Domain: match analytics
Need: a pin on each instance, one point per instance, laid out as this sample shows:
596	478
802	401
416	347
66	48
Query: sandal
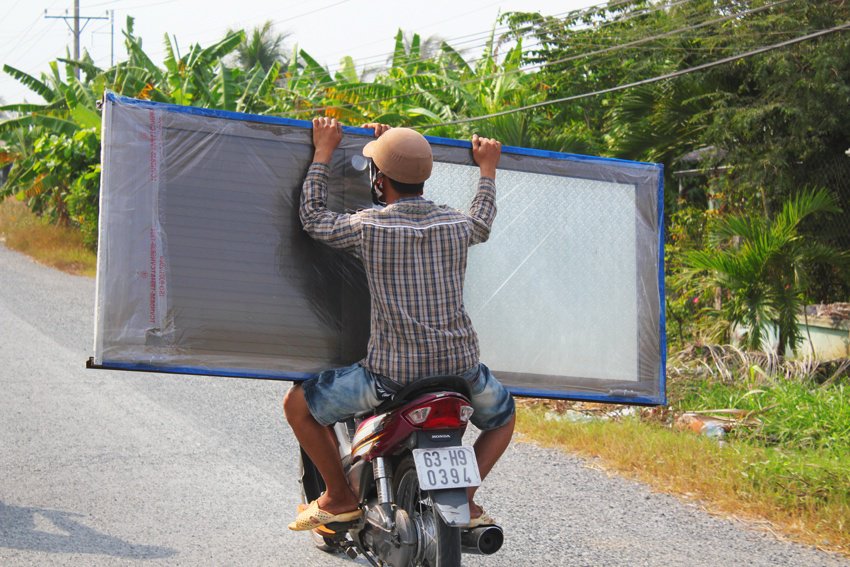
311	517
484	519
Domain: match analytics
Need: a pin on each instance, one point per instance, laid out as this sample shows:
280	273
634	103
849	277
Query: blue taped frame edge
584	397
301	376
662	318
280	121
198	371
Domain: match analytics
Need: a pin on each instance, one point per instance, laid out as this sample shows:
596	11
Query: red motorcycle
407	463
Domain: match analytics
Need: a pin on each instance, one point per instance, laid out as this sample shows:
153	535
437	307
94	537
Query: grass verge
55	246
802	493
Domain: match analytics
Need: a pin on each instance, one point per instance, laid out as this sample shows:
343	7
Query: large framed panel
203	267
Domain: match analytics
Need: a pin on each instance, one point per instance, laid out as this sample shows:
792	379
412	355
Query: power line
485	34
31	40
458	40
661	35
76	29
576	13
274	21
107	3
25	33
571	14
21	35
647	81
384	56
148	5
11	9
453	42
558	61
321	9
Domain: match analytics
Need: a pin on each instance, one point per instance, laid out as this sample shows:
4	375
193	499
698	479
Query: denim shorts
339	394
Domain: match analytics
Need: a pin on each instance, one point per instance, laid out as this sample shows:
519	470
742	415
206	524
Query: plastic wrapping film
203	267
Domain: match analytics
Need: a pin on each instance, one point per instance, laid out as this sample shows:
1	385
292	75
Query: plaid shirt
414	253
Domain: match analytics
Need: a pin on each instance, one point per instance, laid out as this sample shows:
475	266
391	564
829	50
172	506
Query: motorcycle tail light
419	415
445	413
465	413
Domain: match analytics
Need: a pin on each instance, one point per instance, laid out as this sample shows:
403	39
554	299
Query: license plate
446	467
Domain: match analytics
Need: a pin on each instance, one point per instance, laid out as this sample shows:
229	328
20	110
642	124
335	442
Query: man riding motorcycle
414	253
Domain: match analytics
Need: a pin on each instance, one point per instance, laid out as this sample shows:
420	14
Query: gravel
112	468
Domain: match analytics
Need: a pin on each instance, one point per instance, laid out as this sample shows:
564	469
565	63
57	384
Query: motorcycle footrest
335	528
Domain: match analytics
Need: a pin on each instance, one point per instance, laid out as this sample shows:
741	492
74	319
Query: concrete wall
830	339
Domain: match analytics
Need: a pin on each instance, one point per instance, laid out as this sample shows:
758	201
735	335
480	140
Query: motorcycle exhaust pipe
483	540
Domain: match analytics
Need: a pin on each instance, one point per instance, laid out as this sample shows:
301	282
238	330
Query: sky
327	29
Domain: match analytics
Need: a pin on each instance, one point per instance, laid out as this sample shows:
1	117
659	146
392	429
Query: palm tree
763	263
660	122
428	49
264	47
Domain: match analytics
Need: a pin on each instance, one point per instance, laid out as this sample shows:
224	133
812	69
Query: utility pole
111	38
77	35
75	29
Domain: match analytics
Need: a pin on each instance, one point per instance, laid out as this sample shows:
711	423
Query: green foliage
789	108
801	479
43	179
763	264
686	299
82	201
801	421
791	414
53	145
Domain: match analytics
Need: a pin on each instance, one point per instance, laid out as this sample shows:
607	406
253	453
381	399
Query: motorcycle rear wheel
441	542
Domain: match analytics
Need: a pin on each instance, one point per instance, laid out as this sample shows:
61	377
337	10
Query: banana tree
199	78
406	93
48	143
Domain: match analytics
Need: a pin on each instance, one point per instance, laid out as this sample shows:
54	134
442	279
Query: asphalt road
112	468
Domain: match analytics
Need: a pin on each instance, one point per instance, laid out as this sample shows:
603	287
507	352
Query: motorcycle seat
422	386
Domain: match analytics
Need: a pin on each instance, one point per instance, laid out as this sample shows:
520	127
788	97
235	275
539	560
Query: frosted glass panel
555	285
